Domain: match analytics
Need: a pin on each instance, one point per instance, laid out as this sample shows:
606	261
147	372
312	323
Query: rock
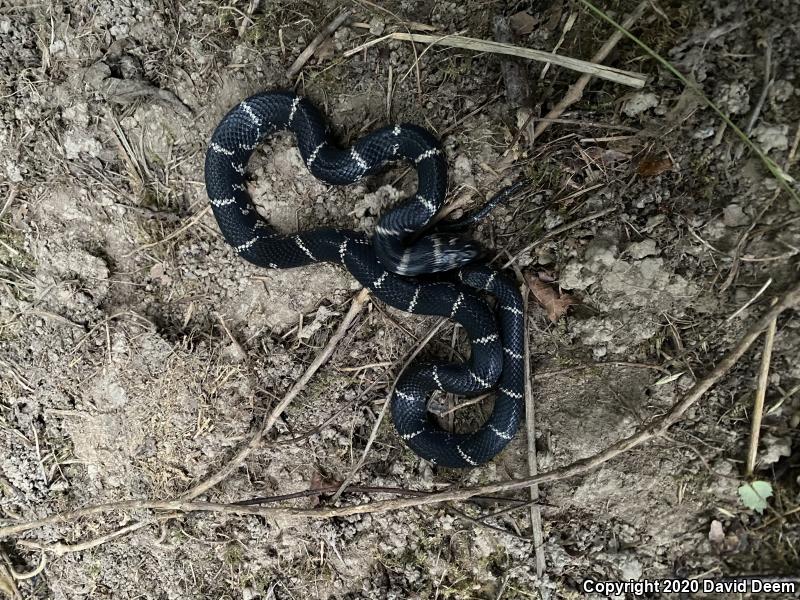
647	247
772	448
733	216
522	23
734	98
716	534
639	103
601	251
781	91
703	133
376	26
772	137
631	568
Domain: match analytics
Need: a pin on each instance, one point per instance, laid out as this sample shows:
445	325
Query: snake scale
389	264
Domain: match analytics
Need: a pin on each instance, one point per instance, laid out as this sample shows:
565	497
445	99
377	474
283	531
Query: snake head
451	252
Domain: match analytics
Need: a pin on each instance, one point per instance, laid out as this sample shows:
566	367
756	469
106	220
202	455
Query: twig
255	440
517	85
482	523
530	423
358	489
610	363
12	193
326	32
30	574
236	345
575	91
761	390
629	78
654	428
742	241
374	433
570	23
749	302
60	549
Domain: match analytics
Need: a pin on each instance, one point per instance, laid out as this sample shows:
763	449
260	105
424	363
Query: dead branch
60	549
530	423
761	391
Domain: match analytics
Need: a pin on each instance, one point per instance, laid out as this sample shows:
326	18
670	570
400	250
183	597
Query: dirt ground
138	352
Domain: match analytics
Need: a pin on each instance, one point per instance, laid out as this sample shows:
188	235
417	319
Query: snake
407	263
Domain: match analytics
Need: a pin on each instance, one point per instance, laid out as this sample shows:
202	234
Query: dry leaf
650	167
555	304
521	23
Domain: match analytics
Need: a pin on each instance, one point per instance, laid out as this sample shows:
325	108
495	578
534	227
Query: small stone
703	133
716	534
639	102
376	26
733	216
647	247
57	47
772	137
773	449
522	23
734	98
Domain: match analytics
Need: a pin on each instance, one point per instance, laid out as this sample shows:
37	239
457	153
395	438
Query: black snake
401	247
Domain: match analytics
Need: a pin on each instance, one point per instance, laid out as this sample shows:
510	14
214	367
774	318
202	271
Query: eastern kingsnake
385	264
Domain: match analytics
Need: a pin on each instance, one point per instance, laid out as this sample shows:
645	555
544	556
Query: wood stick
575	91
654	428
761	391
629	78
12	193
326	32
60	549
530	424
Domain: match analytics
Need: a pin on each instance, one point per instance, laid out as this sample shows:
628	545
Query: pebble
639	103
733	216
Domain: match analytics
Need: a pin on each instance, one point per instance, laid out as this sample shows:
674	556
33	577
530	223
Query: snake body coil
384	265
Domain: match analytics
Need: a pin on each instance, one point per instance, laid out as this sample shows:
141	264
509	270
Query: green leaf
754	495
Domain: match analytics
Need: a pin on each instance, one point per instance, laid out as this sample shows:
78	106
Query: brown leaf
521	23
649	167
555	304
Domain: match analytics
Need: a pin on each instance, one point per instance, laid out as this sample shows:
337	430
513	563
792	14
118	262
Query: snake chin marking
385	263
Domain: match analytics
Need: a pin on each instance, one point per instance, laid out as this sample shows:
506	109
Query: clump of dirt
138	352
